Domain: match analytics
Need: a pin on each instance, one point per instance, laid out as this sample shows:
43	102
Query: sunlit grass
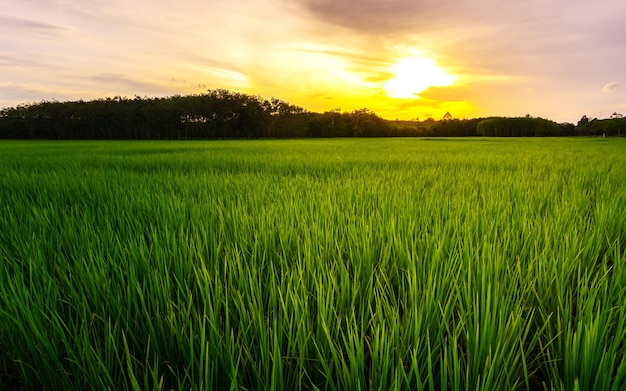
329	264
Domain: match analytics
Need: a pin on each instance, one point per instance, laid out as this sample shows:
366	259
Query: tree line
217	114
614	126
222	114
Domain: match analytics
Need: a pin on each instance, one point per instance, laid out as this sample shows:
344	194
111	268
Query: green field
405	264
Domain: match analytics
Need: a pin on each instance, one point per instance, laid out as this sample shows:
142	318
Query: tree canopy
222	114
518	127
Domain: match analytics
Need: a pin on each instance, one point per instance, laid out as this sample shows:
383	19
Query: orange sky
400	58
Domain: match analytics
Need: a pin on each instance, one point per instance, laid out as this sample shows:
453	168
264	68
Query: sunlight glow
414	75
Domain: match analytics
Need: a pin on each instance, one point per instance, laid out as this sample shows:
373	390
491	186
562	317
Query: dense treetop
222	114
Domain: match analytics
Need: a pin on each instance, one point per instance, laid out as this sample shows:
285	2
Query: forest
223	114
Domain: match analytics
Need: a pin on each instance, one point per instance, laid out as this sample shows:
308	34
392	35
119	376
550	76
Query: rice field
360	264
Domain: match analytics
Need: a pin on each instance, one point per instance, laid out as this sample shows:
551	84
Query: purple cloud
375	16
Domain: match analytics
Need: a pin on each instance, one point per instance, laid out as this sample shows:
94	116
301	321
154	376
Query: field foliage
457	264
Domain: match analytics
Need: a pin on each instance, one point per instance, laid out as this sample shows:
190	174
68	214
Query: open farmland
494	264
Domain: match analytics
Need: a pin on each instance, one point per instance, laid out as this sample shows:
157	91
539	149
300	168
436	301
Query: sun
413	75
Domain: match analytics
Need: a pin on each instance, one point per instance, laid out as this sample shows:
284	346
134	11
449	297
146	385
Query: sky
403	59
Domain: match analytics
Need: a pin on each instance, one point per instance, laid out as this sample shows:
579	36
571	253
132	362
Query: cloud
19	61
375	16
120	82
389	16
26	25
610	87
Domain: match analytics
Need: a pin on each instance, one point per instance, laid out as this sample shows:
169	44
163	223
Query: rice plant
361	264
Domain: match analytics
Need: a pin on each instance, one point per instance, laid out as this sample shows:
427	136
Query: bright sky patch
414	75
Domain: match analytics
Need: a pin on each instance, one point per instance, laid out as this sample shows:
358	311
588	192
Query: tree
518	127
